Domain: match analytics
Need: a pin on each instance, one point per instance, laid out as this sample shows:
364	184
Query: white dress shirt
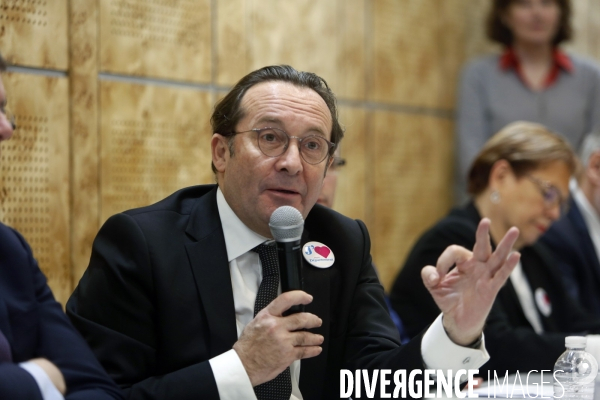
590	216
521	285
47	388
438	351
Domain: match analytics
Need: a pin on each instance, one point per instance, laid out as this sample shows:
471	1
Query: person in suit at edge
167	301
520	178
575	238
41	355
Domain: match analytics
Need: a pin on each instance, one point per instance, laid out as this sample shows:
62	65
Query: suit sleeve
17	383
60	343
114	308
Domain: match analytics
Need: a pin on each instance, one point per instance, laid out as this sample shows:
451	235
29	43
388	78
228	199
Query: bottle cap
575	341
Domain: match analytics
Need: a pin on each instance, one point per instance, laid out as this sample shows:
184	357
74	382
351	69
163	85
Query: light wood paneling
412	183
34	33
352	64
297	33
476	41
580	24
406	53
233	41
35	173
154	141
165	39
84	133
351	191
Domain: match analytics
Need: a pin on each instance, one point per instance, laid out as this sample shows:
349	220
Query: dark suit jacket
510	339
35	326
156	302
574	251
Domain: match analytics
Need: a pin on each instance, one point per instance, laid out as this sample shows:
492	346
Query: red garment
561	60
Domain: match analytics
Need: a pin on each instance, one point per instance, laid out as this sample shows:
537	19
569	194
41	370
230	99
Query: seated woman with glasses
520	178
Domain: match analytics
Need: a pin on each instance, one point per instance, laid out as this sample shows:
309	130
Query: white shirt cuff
440	352
47	388
232	380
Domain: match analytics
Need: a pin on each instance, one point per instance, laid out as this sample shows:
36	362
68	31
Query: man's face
254	184
6	129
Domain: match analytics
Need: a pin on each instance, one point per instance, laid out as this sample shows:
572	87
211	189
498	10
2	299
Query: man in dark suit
41	354
172	301
575	238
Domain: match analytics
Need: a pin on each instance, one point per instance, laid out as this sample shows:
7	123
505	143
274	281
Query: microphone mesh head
286	224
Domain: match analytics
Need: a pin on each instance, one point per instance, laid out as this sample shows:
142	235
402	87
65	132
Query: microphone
286	224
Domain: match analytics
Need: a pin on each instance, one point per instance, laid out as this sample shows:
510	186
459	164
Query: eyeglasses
273	142
551	194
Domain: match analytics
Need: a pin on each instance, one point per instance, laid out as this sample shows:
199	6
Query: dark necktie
5	353
280	388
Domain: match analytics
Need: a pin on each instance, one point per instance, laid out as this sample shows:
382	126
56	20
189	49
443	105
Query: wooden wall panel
35	173
476	41
351	193
165	39
406	53
298	33
594	28
233	41
412	183
580	23
34	33
154	141
84	132
352	63
586	28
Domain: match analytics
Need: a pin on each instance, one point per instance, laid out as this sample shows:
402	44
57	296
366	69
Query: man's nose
291	160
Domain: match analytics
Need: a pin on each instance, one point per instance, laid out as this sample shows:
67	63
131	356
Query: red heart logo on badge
323	251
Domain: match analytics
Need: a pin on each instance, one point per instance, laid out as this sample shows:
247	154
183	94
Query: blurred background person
532	80
327	195
575	238
326	198
520	178
41	354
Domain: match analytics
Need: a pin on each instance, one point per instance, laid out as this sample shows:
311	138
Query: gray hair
590	145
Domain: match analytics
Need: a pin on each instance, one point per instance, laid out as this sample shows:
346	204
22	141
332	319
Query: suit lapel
316	282
208	259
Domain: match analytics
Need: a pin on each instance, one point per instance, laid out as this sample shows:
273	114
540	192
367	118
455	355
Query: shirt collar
509	60
239	239
561	61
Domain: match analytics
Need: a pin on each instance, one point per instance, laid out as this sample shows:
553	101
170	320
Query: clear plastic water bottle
575	371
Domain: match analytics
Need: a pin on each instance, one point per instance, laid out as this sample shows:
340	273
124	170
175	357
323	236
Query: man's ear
219	146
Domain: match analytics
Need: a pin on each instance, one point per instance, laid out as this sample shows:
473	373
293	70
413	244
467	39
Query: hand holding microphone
278	334
287	225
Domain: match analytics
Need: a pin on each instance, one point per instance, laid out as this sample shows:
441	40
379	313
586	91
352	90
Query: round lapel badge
318	255
543	302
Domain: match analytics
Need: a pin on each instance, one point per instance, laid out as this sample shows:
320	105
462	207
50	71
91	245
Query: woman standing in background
532	80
